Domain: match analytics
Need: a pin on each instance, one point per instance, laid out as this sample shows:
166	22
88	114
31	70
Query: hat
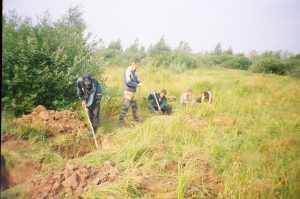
87	80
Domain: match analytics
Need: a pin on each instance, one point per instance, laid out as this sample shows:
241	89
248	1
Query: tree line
41	61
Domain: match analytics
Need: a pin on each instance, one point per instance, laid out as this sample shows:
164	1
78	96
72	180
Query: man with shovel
90	92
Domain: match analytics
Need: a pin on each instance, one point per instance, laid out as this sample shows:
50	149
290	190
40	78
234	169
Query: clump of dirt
4	174
81	144
14	174
53	122
224	121
10	142
72	180
159	186
203	180
200	125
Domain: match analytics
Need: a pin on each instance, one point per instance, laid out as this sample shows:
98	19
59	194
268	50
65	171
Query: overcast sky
244	25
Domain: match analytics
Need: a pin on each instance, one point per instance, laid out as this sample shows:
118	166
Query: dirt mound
53	122
203	180
10	142
195	123
224	121
72	180
159	186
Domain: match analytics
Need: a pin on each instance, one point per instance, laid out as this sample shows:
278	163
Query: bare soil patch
200	125
203	181
72	180
53	122
224	121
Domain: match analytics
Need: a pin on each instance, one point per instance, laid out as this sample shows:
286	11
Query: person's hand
84	105
140	84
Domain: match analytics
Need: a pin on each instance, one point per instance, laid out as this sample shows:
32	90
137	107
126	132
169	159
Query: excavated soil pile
72	181
53	122
200	125
204	181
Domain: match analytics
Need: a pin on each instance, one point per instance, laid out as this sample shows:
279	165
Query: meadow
246	144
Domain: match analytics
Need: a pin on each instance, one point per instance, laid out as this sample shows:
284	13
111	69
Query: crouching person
159	102
186	98
205	97
90	92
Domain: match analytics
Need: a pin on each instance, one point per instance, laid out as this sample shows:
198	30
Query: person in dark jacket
90	92
159	102
131	83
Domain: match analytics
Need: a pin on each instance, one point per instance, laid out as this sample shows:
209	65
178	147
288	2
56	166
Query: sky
245	25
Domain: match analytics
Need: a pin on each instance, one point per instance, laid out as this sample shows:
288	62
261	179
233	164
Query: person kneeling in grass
186	98
159	102
205	97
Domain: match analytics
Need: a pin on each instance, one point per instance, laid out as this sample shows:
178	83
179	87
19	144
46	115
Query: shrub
269	65
41	62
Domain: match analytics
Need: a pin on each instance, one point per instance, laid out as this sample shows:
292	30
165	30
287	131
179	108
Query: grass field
246	144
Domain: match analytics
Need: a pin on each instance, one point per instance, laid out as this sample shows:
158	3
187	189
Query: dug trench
71	180
58	127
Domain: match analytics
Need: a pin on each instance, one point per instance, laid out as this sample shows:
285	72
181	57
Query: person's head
87	80
189	92
135	64
162	93
206	94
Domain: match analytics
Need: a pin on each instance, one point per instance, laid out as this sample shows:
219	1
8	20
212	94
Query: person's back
186	98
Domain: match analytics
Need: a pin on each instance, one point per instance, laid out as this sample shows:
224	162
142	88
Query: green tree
40	63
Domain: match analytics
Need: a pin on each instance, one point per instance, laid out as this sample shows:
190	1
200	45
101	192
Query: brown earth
14	175
203	181
159	186
72	180
10	142
53	122
200	125
224	121
79	145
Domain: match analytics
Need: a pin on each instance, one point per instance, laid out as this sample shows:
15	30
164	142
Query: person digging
131	83
90	92
159	102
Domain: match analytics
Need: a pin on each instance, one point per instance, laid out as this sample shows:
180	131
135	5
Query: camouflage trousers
128	102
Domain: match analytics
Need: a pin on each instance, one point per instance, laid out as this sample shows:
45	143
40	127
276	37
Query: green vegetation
42	61
245	145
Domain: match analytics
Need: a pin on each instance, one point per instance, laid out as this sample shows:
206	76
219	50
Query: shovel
94	135
156	101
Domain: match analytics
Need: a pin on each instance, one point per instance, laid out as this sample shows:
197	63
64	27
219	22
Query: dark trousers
94	115
126	104
152	108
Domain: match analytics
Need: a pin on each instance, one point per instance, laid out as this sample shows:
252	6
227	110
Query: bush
41	62
269	65
238	62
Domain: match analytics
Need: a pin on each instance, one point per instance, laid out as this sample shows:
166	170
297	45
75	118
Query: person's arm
202	98
80	93
210	98
129	81
163	103
92	95
100	91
